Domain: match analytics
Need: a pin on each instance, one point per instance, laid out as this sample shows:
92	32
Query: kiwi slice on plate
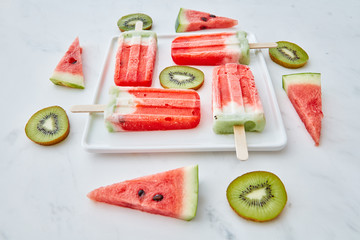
127	22
48	126
181	77
288	54
259	196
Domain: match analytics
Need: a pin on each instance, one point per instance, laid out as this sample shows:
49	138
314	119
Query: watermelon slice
69	71
304	92
172	193
191	20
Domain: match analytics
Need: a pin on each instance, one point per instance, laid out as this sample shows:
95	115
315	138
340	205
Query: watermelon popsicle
214	49
148	109
135	57
144	109
236	101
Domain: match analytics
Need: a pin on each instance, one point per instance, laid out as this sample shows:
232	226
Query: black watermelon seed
204	19
72	60
141	193
213	16
158	197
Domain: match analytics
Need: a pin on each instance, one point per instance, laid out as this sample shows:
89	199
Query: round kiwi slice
181	77
259	196
48	126
127	22
289	55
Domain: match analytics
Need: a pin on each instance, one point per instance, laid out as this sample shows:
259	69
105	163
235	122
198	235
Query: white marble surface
43	189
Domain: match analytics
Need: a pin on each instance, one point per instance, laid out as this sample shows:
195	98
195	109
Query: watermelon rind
300	78
68	80
191	190
181	21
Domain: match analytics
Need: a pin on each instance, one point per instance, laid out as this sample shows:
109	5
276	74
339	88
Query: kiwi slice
48	126
289	55
259	196
181	77
127	22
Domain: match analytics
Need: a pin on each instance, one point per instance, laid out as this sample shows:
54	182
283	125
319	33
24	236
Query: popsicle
214	49
236	101
148	109
135	57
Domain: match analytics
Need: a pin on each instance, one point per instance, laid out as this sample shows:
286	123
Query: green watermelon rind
191	190
68	79
181	23
300	78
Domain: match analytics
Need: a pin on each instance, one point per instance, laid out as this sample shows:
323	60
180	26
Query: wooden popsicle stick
240	142
262	45
138	25
96	108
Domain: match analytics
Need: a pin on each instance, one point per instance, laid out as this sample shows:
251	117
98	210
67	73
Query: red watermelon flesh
172	193
69	71
191	20
304	92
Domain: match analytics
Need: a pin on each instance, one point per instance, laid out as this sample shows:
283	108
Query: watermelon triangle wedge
173	193
304	92
69	71
191	20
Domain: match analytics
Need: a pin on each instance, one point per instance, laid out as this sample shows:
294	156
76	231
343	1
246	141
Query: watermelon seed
203	27
141	193
158	197
213	16
204	19
72	60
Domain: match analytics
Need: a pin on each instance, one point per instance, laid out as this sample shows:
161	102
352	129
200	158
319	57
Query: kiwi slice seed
127	22
259	196
48	126
289	55
181	77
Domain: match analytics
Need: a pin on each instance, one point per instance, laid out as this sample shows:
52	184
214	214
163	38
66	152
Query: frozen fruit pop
135	57
235	99
145	109
214	49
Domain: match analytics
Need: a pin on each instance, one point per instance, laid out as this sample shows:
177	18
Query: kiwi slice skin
181	77
48	126
258	196
289	55
127	23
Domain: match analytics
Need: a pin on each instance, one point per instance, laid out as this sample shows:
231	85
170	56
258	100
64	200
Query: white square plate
96	138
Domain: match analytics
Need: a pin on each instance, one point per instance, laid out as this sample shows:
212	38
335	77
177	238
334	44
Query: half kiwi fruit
48	126
127	22
259	196
181	77
289	55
